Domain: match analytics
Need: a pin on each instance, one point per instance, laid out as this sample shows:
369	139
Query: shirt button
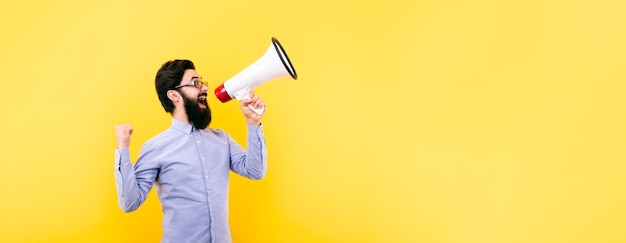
206	176
198	141
202	158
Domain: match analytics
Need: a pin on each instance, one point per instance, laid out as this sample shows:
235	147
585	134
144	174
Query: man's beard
199	117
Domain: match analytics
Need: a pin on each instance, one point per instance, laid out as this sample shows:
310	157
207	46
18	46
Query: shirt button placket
206	173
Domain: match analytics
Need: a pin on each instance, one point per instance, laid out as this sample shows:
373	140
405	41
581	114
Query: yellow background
411	121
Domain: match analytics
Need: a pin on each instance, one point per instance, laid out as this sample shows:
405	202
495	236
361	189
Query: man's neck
181	116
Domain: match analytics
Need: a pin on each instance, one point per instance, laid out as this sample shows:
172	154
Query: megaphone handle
245	94
258	111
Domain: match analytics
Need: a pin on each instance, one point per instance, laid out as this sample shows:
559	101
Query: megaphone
273	64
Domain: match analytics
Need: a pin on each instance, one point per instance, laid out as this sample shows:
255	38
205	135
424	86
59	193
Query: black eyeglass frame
196	83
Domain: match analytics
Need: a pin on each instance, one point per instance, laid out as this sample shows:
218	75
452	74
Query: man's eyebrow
194	77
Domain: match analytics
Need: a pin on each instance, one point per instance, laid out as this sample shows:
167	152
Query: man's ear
173	95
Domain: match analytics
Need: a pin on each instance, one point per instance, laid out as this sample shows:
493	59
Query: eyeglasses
196	83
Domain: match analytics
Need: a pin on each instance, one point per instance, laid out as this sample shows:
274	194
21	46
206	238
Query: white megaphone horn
273	64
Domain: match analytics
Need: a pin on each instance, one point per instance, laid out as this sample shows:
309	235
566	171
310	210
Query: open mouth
202	100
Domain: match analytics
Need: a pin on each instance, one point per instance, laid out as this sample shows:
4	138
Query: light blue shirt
190	169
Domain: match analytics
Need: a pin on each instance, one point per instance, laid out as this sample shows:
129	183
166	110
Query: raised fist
122	133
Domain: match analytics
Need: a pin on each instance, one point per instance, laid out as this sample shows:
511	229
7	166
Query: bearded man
189	163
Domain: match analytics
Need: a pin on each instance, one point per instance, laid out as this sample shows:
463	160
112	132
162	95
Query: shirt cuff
122	156
258	130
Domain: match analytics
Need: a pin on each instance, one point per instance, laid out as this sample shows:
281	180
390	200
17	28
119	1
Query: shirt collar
182	126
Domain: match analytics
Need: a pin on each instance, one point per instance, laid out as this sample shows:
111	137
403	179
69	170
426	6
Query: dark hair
169	75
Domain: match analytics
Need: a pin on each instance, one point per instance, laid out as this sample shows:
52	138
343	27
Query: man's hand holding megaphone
249	105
